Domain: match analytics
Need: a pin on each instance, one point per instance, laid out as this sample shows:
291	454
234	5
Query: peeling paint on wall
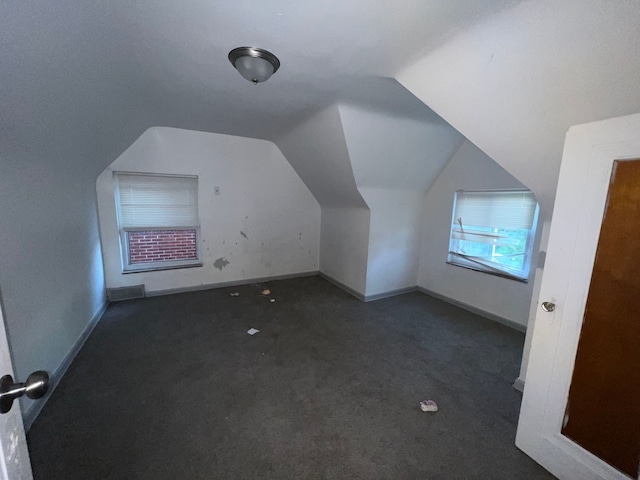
220	263
279	205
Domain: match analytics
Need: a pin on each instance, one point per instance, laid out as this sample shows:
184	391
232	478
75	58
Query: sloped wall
66	113
514	83
264	222
469	169
395	158
318	152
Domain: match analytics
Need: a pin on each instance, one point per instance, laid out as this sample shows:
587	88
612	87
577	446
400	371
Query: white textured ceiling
328	50
82	79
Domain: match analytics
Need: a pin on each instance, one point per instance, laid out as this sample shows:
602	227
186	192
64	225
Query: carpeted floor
174	388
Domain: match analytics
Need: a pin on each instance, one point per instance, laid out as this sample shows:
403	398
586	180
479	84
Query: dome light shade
254	64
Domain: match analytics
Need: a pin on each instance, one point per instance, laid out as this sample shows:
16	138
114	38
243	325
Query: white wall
67	111
392	151
395	159
394	238
344	246
317	150
260	196
468	169
50	267
514	83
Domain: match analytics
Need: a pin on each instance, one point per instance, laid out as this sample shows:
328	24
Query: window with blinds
158	221
493	231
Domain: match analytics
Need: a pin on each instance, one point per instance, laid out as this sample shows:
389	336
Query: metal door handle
35	387
548	306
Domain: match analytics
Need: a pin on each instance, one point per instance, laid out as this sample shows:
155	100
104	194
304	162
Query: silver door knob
35	387
548	306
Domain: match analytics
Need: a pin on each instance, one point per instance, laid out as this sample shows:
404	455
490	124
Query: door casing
14	456
583	185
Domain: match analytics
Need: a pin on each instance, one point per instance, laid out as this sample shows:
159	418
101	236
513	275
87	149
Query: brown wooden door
603	409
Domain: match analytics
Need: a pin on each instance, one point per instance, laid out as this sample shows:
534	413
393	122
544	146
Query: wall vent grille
125	293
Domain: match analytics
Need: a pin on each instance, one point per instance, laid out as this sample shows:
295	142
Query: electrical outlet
216	190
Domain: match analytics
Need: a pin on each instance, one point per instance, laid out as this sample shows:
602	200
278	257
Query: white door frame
14	456
583	186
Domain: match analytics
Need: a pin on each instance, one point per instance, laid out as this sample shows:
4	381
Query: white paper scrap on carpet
252	331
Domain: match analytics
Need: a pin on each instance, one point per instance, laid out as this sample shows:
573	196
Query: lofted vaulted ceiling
116	65
326	48
81	80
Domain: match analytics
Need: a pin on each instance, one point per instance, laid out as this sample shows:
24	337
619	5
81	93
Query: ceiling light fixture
254	64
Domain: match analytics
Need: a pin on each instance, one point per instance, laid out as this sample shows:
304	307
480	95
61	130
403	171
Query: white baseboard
476	310
361	296
346	288
32	412
390	293
233	283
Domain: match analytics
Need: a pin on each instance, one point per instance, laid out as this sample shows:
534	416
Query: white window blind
157	201
493	231
504	210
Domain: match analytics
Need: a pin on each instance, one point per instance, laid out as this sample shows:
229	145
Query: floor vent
125	293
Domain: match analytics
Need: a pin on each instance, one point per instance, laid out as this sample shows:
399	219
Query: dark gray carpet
173	388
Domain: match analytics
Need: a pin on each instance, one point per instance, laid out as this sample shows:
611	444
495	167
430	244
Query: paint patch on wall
220	263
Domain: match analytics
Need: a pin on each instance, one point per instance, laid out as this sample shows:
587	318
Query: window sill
156	268
489	272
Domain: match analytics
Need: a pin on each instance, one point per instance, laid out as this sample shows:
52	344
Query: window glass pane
158	221
162	246
512	252
502	247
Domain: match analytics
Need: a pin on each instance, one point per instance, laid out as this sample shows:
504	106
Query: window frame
127	266
458	261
